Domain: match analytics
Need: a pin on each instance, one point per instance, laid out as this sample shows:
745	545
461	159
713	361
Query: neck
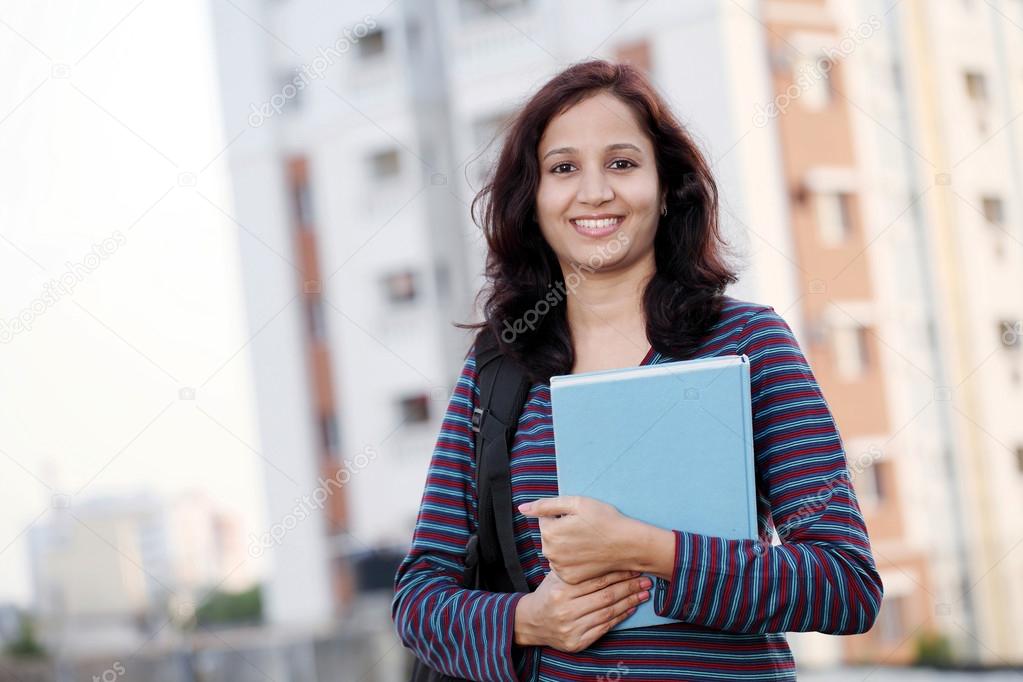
608	302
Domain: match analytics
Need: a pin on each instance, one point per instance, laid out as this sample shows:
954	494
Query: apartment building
963	90
908	295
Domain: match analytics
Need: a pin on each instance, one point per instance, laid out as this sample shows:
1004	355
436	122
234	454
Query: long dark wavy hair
683	299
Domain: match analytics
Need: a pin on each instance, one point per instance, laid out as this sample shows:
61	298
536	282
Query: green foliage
231	608
25	646
933	649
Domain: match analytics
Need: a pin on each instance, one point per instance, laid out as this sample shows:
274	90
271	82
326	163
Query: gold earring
664	210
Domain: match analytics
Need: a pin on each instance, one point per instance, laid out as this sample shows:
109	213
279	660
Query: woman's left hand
583	538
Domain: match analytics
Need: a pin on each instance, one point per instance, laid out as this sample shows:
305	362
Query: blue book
670	444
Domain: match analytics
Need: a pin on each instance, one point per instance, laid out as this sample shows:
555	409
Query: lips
590	224
598	226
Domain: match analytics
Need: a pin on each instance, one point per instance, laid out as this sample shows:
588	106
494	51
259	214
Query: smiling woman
599	194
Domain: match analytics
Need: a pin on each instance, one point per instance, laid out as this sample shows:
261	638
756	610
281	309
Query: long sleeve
457	631
822	577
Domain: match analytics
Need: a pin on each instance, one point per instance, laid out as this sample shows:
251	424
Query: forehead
593	122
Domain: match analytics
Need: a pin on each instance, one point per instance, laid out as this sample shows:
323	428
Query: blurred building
358	141
106	569
960	69
903	176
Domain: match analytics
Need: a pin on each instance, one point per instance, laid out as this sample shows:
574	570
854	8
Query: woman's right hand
571	617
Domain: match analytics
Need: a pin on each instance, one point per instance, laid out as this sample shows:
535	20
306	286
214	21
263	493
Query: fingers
600	629
602	581
632	591
550	506
598	605
609	613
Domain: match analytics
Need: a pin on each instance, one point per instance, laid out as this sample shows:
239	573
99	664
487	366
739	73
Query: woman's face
598	186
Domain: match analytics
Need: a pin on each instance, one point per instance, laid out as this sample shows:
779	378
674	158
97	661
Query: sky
123	363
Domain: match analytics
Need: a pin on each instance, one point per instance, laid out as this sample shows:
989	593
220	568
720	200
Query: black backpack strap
504	386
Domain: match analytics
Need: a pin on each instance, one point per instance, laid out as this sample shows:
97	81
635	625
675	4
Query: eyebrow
609	148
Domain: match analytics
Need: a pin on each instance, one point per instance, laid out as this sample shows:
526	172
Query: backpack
491	560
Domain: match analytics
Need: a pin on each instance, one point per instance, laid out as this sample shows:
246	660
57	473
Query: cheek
642	192
550	207
549	234
550	199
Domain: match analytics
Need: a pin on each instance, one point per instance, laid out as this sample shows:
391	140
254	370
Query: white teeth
596	224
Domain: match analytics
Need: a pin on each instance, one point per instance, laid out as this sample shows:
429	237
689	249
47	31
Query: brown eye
561	165
630	164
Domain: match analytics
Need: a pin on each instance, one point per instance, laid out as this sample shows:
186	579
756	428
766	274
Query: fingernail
636	574
645	582
643	596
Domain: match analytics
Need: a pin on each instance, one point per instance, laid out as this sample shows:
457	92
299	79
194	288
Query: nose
594	188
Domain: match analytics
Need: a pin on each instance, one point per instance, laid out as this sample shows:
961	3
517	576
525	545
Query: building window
301	200
976	87
812	78
385	164
442	278
869	483
976	90
415	409
400	287
994	211
891	625
1019	457
288	87
834	219
994	215
371	45
849	343
314	313
329	433
469	10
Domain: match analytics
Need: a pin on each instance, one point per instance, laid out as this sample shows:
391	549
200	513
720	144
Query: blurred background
234	235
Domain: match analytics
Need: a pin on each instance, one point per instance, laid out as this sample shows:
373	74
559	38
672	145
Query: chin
596	258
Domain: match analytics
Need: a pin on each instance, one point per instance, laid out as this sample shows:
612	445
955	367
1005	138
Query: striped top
735	598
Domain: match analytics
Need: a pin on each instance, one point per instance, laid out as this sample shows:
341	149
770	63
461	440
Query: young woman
604	252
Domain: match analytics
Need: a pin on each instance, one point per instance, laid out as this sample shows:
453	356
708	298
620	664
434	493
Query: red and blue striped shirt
735	598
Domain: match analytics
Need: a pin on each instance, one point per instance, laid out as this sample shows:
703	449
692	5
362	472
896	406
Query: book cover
670	444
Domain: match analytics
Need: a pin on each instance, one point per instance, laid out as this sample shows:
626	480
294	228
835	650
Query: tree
227	607
25	646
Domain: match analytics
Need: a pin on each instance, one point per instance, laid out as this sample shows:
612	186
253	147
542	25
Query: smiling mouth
597	224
